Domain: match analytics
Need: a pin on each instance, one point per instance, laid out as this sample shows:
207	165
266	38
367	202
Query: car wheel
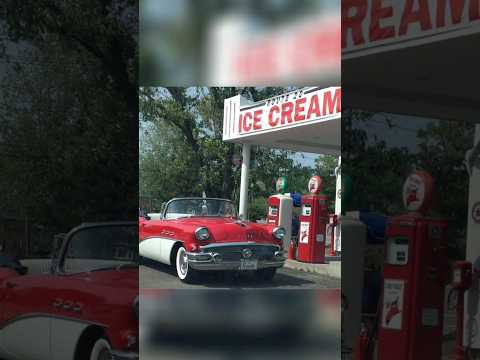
184	272
266	274
101	350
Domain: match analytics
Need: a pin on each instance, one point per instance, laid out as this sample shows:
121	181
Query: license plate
248	264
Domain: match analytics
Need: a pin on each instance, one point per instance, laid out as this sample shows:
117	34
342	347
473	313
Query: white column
472	299
338	200
338	204
244	181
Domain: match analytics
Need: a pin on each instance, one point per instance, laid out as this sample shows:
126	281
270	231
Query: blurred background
229	324
250	42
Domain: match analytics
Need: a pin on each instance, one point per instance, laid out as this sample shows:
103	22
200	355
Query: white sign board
304	232
292	109
392	312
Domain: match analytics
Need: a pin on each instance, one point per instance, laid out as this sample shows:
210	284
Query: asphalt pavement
156	275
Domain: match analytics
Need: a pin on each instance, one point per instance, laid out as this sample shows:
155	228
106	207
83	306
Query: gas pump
461	282
313	222
280	210
415	267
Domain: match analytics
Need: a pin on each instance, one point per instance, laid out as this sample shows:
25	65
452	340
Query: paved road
156	275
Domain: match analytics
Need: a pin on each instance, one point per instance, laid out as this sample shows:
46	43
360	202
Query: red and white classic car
81	304
203	234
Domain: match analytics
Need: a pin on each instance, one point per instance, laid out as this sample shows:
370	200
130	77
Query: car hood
121	279
229	230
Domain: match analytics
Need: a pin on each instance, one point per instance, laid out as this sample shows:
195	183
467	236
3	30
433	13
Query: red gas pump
313	222
415	268
273	215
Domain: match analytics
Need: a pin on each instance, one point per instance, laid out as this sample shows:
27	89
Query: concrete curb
331	268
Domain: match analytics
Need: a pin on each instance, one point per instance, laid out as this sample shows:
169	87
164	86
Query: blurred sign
302	52
375	26
295	108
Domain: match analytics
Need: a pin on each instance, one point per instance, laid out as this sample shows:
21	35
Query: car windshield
99	247
179	208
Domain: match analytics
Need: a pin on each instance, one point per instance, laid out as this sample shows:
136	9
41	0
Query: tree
103	30
377	170
67	129
443	145
325	167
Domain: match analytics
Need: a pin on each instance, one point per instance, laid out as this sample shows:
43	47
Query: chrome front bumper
230	256
124	355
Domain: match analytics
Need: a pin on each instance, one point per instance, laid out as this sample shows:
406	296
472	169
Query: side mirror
147	217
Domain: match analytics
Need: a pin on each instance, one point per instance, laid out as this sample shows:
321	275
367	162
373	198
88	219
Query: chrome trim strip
47	315
233	244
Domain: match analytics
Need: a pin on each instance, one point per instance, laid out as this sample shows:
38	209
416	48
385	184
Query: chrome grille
233	252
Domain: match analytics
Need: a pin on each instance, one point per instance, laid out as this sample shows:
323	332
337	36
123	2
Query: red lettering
354	23
314	107
271	121
409	16
456	7
378	13
247	117
329	103
257	120
299	108
474	11
287	109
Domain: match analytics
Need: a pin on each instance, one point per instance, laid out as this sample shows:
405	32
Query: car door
74	308
27	316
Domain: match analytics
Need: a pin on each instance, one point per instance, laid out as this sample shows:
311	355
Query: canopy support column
244	181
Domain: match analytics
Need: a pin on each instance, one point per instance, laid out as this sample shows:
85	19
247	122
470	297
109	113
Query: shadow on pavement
231	279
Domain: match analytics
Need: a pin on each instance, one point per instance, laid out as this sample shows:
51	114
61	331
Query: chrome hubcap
182	261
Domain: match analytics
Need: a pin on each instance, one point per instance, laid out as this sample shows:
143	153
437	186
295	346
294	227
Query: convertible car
80	304
204	234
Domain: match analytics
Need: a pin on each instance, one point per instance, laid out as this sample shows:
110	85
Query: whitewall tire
184	271
101	350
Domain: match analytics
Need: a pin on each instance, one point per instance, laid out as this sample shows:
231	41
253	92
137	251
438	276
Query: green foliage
377	171
325	167
68	142
257	208
442	152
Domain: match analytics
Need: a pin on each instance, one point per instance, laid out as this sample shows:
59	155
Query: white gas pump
354	234
471	332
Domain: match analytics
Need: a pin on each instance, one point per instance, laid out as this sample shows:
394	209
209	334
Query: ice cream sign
287	110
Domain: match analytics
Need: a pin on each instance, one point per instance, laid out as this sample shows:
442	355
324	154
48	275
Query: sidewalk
332	267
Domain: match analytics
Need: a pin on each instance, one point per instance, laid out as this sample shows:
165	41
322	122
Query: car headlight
202	234
279	233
